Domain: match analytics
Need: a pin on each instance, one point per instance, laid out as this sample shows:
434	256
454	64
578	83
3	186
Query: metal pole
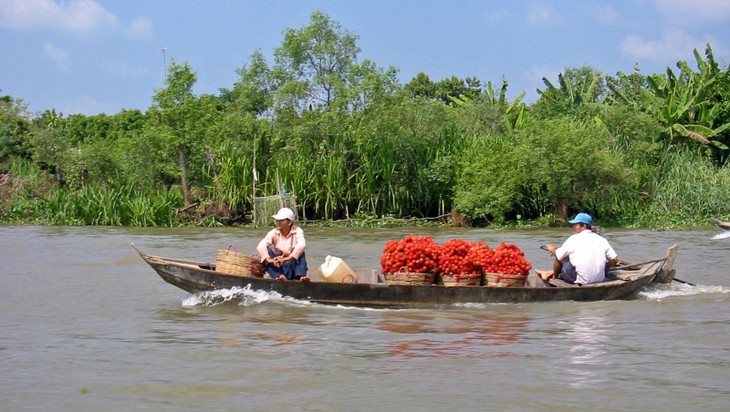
164	61
254	177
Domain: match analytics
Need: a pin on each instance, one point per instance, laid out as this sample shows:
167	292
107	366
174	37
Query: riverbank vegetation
353	144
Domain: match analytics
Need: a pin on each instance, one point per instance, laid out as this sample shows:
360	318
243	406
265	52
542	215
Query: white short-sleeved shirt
588	253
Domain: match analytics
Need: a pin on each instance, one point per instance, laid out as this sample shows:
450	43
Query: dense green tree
254	90
421	86
549	166
313	63
14	129
369	83
183	122
452	88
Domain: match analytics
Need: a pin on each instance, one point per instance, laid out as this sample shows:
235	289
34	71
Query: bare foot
281	277
304	279
544	274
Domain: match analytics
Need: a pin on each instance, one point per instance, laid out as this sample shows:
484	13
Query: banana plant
576	87
515	111
683	102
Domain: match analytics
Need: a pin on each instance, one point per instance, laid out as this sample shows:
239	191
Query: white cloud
675	44
60	57
79	16
139	27
605	14
75	16
694	10
543	14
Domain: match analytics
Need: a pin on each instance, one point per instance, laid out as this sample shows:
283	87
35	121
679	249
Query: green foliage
548	165
14	129
183	126
313	63
421	86
690	188
110	206
348	140
488	187
685	103
576	87
253	92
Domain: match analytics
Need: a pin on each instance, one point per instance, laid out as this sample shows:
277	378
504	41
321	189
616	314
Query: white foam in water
681	290
247	296
722	235
250	297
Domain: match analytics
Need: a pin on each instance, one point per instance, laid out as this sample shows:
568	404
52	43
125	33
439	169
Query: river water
86	325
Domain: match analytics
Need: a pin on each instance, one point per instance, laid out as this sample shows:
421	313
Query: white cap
284	213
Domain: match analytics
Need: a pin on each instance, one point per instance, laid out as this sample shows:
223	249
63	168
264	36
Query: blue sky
94	56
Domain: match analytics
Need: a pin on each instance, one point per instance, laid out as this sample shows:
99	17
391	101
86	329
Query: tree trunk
561	209
188	198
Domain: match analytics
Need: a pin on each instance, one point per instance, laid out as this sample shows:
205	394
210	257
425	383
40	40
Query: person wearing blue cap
584	257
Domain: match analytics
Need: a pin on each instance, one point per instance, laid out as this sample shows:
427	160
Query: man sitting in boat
584	257
282	249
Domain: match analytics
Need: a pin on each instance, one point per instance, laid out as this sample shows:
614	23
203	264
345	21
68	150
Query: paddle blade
722	235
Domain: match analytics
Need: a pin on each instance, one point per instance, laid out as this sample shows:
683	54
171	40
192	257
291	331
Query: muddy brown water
86	325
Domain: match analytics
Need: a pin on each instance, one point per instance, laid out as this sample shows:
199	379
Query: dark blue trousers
293	269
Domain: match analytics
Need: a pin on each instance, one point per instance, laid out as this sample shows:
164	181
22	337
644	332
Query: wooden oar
683	281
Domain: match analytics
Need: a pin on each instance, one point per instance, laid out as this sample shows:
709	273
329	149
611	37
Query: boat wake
243	295
722	235
681	290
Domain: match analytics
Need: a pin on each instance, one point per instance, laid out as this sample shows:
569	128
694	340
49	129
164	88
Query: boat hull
198	277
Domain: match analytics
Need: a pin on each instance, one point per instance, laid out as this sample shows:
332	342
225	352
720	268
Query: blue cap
584	218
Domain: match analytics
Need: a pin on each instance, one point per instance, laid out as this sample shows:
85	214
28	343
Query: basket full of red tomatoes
458	262
412	260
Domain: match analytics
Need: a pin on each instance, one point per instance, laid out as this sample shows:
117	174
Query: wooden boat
622	282
721	224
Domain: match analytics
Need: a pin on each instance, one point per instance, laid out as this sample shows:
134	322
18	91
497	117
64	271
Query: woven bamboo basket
472	279
505	280
405	277
234	263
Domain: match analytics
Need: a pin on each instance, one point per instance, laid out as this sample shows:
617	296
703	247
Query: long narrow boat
720	223
621	283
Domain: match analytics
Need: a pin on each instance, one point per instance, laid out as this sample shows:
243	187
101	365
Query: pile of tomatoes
421	254
461	257
506	258
413	253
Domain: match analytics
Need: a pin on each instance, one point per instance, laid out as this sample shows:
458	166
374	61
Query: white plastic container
335	269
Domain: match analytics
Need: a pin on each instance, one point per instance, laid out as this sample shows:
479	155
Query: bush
549	165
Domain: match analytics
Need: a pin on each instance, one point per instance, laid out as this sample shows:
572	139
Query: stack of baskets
505	280
233	263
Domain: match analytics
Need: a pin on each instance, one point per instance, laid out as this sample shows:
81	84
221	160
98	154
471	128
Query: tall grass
105	206
232	188
689	189
405	171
